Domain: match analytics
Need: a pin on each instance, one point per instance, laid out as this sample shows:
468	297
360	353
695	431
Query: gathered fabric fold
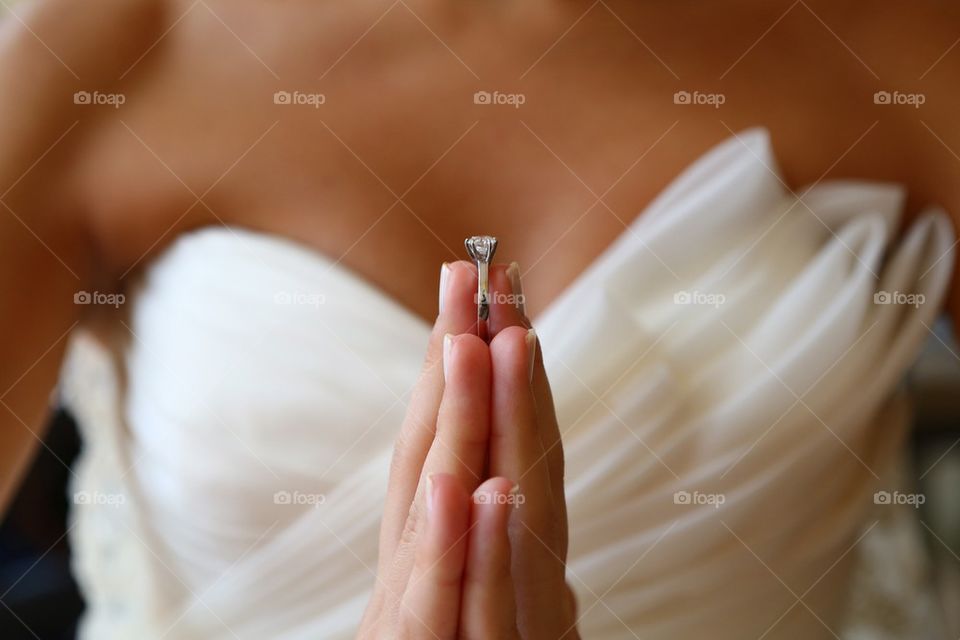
725	377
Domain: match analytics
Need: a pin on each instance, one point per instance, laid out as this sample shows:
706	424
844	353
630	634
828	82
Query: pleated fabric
726	380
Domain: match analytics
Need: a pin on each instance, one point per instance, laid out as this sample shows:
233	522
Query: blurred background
37	589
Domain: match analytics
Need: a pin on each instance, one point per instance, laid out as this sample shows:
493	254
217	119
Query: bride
221	231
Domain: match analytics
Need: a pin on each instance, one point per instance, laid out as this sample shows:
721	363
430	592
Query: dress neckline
749	145
336	266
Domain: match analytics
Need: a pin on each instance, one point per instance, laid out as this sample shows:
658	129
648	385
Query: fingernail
447	348
430	489
513	273
444	276
531	341
514	496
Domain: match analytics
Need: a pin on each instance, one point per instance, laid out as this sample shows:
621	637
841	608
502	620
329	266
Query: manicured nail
531	341
430	490
444	277
513	273
447	348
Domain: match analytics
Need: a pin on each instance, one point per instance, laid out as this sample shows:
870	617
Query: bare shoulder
52	49
69	39
53	53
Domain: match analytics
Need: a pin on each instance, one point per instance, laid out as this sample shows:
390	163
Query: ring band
481	250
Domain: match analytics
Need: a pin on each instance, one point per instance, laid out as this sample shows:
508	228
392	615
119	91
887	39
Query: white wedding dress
725	375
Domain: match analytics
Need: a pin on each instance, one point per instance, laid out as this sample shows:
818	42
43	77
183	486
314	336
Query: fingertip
496	485
446	490
458	310
493	501
447	506
511	352
508	308
466	361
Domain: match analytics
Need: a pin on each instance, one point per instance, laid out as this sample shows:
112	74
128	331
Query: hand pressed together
473	541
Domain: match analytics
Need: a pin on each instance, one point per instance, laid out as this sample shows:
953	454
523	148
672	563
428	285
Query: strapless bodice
725	377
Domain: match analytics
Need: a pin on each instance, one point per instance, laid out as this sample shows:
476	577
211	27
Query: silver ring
481	250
